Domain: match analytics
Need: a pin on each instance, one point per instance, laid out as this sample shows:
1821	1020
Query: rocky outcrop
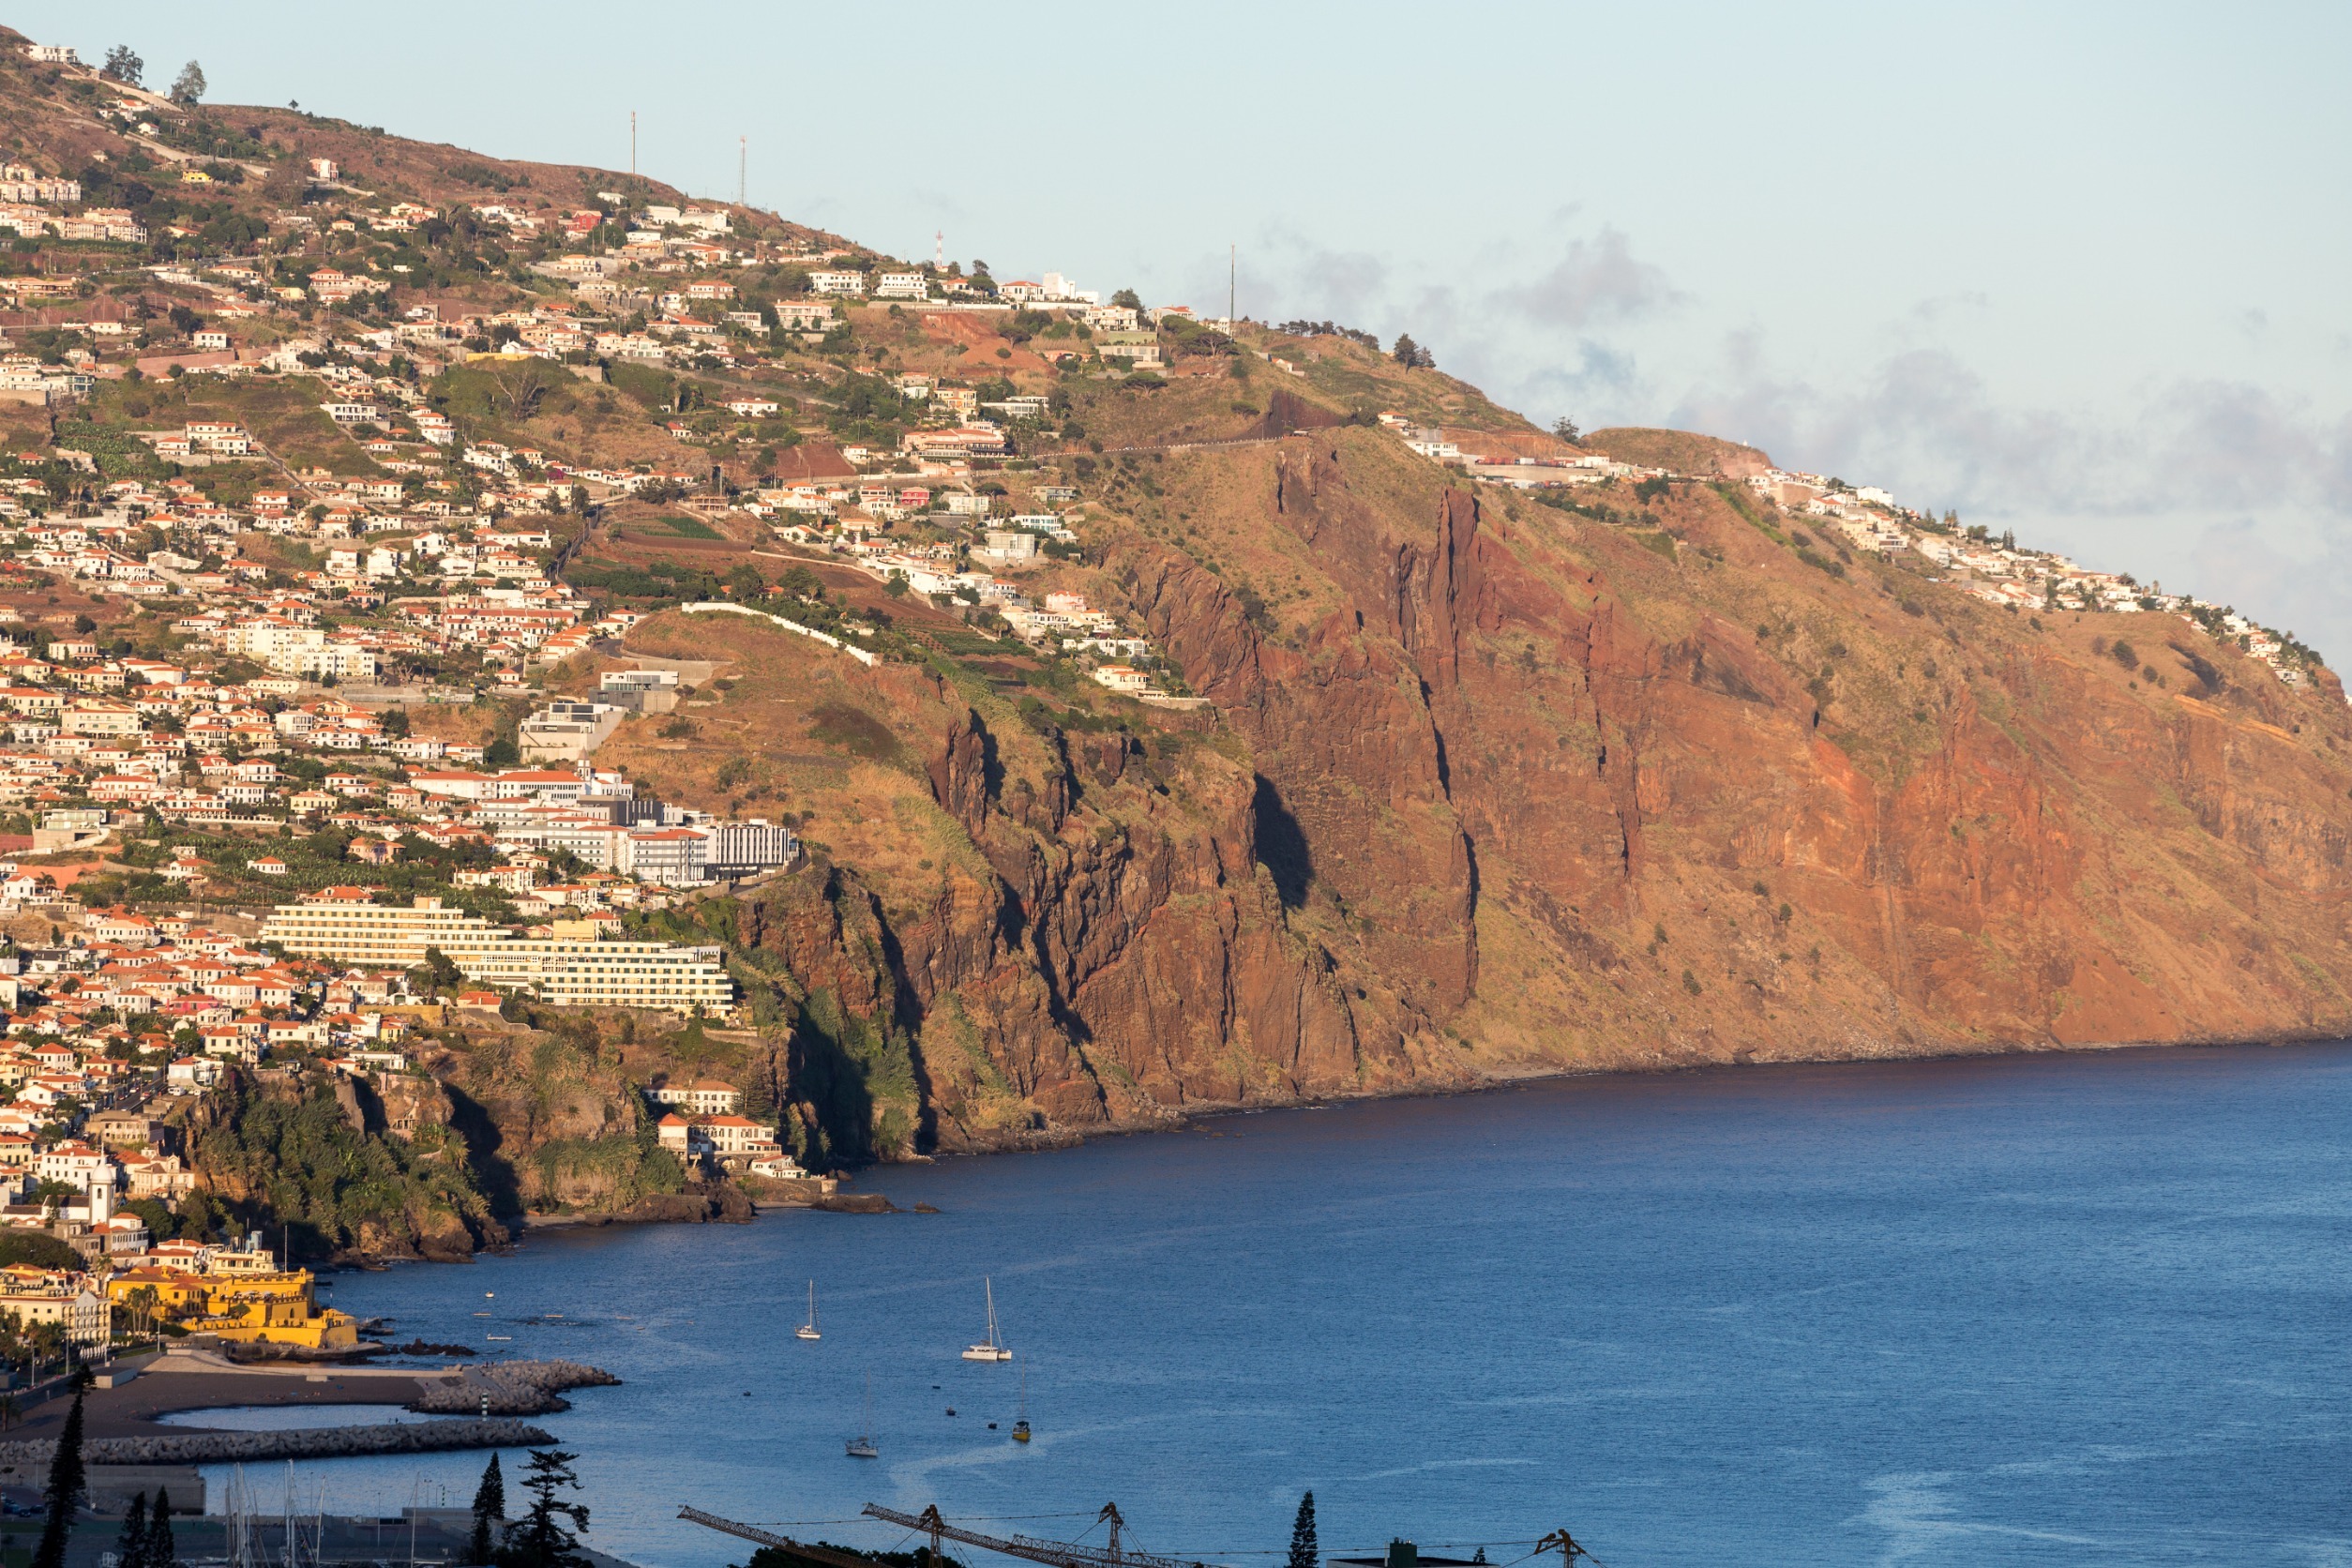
306	1156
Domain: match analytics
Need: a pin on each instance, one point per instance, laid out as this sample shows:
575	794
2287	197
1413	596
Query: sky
2070	270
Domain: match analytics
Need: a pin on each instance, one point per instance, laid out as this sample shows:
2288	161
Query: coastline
1500	1083
739	1203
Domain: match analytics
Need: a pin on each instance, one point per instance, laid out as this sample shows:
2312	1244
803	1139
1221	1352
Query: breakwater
510	1388
325	1442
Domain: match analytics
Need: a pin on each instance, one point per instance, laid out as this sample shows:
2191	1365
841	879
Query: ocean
2079	1310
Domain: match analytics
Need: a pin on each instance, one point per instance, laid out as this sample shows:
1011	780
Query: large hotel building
345	925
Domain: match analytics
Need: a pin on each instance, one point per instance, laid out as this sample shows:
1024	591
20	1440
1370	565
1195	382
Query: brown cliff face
1491	788
1620	767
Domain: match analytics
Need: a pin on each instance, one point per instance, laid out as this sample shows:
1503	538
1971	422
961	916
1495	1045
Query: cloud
1937	309
1597	281
1549	335
2226	489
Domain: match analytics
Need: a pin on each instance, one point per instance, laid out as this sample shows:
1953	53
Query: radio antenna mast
742	170
632	143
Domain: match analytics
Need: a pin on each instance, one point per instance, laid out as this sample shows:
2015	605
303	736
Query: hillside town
304	669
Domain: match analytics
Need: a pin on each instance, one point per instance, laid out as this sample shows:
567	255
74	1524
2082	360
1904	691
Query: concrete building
571	969
345	924
647	691
702	1097
87	1318
582	971
672	856
740	849
567	731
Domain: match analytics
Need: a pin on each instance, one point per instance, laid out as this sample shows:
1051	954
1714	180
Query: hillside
1651	769
1492	789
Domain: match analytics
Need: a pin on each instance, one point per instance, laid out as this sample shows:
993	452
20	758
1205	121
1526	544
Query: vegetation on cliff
302	1160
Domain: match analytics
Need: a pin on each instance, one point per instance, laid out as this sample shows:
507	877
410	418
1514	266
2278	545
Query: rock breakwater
325	1442
511	1388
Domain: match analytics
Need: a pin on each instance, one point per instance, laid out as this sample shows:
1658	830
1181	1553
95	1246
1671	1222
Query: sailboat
1020	1427
988	1349
862	1446
809	1329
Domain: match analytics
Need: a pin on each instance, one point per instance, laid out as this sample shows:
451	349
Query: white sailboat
991	1348
862	1446
809	1329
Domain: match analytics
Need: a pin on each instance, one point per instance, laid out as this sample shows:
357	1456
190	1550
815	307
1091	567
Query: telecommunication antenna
1232	283
632	143
743	167
939	249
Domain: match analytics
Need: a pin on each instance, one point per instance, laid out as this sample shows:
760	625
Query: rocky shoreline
323	1442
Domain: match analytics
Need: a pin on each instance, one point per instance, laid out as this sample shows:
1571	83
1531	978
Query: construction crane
1566	1546
826	1555
1054	1554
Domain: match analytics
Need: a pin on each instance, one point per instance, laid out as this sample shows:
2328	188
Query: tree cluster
147	1540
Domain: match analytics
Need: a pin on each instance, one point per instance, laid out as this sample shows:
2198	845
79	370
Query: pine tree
490	1507
161	1550
544	1537
63	1492
133	1548
1303	1549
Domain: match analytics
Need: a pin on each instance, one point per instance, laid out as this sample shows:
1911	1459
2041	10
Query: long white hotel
344	924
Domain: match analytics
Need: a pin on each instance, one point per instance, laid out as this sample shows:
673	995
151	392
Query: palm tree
11	1410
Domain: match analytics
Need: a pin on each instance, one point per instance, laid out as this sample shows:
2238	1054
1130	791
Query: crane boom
1054	1554
769	1538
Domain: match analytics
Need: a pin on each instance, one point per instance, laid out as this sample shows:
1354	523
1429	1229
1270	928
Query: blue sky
2074	270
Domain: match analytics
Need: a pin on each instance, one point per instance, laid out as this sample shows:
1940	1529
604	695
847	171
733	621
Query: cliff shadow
1282	847
492	1172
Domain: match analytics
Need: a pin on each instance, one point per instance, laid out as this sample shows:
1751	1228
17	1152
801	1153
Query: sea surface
2082	1310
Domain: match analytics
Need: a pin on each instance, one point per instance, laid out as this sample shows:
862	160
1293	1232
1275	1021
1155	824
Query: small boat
1020	1427
809	1329
989	1348
498	1336
862	1446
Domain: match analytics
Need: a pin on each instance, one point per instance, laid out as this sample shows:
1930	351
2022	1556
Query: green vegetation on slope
298	1162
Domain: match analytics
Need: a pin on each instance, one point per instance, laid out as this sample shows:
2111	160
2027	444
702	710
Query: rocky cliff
1487	787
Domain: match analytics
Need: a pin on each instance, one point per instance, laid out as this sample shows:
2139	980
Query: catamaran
809	1329
862	1446
989	1348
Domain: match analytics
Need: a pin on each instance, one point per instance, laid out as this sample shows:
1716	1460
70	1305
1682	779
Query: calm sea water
2086	1309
